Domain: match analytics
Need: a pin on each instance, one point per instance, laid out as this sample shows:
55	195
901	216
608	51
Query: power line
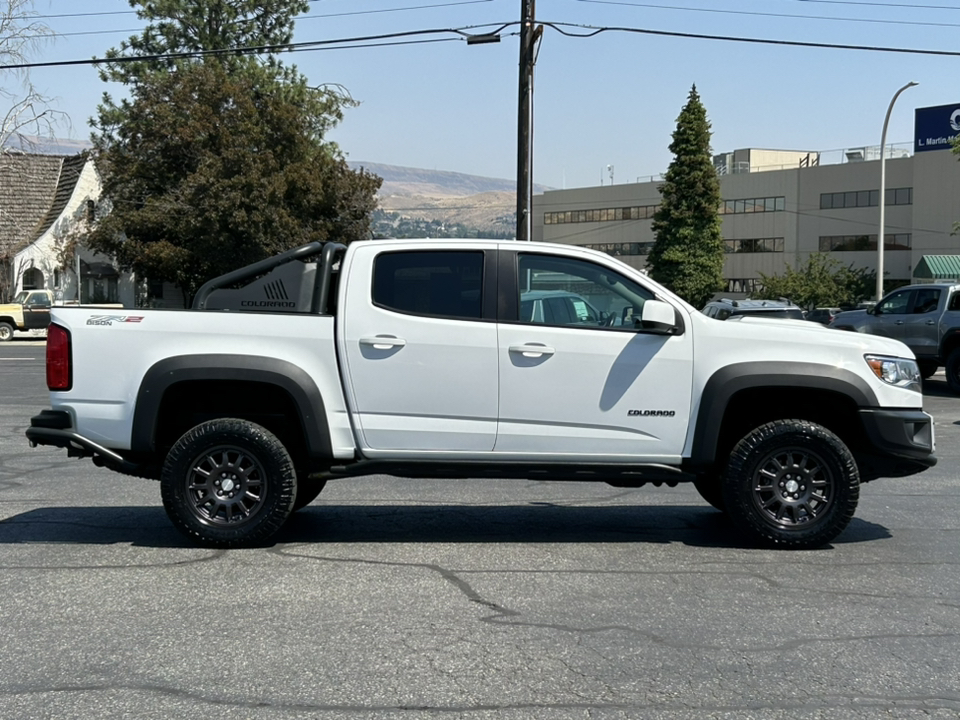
360	41
304	17
595	30
463	33
771	15
879	4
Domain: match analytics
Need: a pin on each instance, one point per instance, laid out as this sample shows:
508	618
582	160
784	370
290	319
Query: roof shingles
34	190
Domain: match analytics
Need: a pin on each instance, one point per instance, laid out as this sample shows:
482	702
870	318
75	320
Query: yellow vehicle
30	310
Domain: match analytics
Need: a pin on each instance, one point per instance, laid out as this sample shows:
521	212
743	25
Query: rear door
420	348
920	331
581	389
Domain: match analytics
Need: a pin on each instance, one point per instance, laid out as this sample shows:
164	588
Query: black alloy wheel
791	483
228	483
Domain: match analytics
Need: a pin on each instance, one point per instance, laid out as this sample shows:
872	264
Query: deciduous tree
822	282
687	256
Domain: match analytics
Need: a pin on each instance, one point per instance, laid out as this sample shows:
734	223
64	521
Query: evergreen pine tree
687	256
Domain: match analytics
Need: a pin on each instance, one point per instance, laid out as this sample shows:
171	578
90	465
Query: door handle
383	342
931	322
899	322
532	351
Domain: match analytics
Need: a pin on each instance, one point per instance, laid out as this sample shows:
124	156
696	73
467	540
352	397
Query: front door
891	314
578	378
421	358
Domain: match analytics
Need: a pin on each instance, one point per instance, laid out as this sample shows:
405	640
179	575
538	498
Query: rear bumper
900	443
55	427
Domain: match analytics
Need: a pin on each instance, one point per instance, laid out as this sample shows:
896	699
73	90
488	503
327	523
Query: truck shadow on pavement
692	525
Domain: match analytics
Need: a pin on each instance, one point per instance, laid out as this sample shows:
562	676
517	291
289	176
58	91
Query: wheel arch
949	343
190	385
738	396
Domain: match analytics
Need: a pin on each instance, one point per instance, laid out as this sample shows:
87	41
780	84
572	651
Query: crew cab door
920	329
419	344
580	387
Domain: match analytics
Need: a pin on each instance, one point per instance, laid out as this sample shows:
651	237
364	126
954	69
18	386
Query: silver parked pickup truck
925	317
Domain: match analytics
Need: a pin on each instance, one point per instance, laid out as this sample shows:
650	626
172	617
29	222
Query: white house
43	198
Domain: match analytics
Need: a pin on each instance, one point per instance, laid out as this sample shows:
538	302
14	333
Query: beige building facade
778	214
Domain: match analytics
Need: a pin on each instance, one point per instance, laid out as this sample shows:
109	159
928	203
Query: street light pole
881	235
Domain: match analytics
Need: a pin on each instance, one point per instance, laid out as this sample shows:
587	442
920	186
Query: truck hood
851	317
798	333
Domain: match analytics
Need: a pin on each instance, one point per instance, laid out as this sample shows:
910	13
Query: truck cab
29	310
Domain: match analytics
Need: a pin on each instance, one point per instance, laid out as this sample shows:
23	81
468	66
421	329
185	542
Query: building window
754	245
865	198
155	290
56	278
753	205
617	249
634	212
744	285
861	243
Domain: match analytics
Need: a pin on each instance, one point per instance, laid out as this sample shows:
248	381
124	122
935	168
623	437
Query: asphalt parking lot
393	598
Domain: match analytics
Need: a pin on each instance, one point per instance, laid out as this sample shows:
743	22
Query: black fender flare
728	381
285	375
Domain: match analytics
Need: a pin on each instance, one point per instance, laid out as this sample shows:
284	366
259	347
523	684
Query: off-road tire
307	490
6	332
791	484
228	483
711	489
952	370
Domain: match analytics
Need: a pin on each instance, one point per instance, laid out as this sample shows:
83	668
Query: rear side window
927	300
434	283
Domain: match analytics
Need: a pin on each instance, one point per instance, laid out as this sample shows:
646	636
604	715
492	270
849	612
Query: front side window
896	304
434	283
576	293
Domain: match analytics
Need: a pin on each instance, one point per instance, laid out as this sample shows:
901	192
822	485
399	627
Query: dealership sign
935	127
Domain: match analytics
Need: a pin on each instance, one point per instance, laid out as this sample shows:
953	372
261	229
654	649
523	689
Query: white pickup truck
474	359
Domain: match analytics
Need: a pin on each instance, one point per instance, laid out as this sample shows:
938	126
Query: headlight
895	371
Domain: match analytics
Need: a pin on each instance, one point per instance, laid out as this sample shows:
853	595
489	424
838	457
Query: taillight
59	376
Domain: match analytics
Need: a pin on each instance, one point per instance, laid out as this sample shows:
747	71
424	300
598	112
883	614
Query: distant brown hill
452	199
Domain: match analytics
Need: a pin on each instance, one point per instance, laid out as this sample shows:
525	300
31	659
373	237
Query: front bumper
899	443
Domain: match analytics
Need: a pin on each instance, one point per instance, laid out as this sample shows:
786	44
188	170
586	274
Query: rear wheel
6	332
791	484
228	483
307	491
952	370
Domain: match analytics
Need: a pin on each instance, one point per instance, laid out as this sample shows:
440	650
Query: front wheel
952	370
6	332
928	368
228	483
791	484
711	490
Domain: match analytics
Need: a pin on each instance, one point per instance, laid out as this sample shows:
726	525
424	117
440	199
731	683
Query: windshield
21	298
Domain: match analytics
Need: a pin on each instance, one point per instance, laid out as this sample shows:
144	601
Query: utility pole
524	120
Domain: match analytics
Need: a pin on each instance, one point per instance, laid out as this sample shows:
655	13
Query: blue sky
612	99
